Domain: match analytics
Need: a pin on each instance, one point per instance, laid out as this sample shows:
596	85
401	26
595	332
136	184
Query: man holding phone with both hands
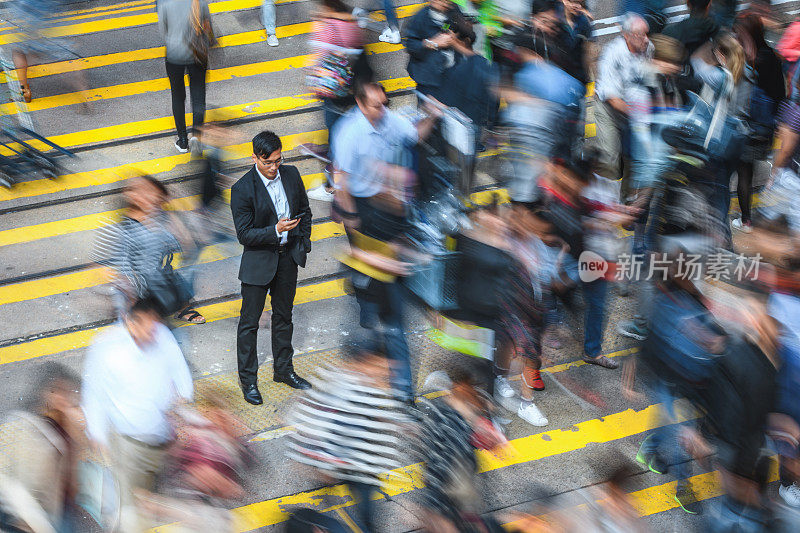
273	223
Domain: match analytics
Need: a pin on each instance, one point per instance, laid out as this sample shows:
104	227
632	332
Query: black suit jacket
255	218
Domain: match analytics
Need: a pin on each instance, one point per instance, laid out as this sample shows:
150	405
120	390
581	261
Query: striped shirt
136	251
348	427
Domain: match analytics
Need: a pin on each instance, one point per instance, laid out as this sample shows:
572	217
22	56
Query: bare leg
21	64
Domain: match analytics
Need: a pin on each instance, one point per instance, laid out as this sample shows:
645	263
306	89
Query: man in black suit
273	223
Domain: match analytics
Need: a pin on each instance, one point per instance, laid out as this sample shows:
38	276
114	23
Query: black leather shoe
251	394
293	380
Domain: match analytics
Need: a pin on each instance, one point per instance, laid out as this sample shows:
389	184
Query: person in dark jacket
429	40
695	30
273	223
467	85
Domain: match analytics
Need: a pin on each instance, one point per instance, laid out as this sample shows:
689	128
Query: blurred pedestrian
767	92
141	248
38	479
453	427
543	107
695	30
203	472
562	189
340	63
134	376
372	159
619	72
728	83
268	20
429	42
35	42
391	33
350	427
273	223
185	26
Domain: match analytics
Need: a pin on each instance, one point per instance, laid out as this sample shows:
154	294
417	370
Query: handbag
332	74
169	290
202	35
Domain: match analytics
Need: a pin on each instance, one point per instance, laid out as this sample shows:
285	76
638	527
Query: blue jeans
594	297
268	16
362	493
391	14
390	315
667	435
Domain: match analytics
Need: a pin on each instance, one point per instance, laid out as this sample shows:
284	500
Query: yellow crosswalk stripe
92	277
236	39
116	174
221	114
92	221
213	312
103	8
162	84
131	21
69	341
120	173
404	480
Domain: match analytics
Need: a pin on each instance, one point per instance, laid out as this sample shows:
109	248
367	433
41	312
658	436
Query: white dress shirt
278	196
129	390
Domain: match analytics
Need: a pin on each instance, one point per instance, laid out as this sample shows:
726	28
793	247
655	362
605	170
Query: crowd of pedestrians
639	208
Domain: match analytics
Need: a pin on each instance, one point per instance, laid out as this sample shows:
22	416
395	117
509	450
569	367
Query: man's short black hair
361	86
698	5
265	143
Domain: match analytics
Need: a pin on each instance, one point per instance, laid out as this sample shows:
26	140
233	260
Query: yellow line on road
155	125
403	480
103	8
213	312
236	39
83	28
116	174
93	221
162	84
92	277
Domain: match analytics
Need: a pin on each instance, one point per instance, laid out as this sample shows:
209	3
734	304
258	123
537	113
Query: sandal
25	92
601	360
191	315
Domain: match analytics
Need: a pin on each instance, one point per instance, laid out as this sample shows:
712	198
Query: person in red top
336	31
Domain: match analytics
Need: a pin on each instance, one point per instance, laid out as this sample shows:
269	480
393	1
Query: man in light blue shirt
278	196
367	140
371	148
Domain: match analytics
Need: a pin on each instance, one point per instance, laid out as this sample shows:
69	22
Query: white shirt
620	71
278	196
130	390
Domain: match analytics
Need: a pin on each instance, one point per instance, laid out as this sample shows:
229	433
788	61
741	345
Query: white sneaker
272	40
503	388
790	494
362	16
390	36
319	193
531	414
738	225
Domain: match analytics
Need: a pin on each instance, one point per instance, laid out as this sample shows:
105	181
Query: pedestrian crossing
321	290
529	449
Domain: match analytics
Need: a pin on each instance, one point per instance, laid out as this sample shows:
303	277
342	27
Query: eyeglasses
271	163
